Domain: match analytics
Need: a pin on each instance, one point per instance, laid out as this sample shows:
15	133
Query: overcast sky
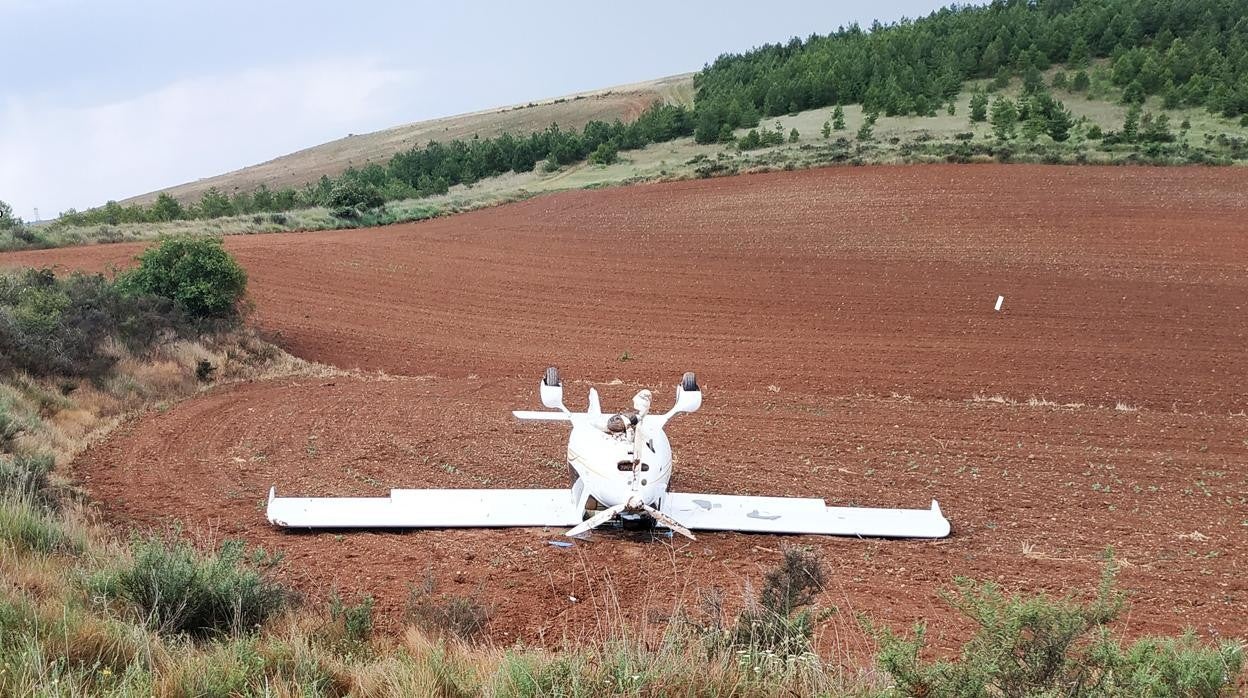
104	100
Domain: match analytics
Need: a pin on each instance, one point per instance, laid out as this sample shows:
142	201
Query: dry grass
1033	401
573	111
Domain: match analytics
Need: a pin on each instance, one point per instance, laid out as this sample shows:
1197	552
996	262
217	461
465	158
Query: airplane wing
545	415
721	512
428	509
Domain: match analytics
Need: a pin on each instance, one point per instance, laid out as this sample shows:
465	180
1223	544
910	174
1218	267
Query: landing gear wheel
552	377
689	383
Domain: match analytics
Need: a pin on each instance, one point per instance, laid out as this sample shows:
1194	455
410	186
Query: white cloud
56	157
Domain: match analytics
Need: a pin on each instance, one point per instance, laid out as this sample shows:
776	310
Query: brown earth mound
842	324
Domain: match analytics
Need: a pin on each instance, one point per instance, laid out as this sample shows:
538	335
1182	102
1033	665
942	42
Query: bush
204	371
195	273
57	326
357	620
459	616
776	622
350	198
1040	646
606	154
176	589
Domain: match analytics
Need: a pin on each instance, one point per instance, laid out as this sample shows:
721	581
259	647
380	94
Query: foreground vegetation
84	612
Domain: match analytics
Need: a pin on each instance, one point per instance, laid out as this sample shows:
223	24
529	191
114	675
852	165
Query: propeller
669	522
607	514
596	520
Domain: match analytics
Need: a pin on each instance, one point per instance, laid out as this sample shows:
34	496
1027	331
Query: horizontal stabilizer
428	509
541	415
720	512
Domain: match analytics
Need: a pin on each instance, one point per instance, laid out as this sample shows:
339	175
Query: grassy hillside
1109	81
623	102
894	139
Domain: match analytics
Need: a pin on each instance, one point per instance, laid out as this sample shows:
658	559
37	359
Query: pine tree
1079	53
1034	125
1134	93
794	136
1004	118
866	132
838	118
1033	81
1131	124
826	131
1060	123
1081	82
979	107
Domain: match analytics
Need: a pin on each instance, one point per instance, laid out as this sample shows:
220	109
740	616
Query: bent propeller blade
669	522
595	521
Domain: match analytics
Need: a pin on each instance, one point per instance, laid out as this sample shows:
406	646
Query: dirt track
841	321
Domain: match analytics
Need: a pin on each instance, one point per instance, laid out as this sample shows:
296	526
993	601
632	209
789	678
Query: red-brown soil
841	322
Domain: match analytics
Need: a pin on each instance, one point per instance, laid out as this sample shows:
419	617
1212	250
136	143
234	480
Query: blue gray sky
105	100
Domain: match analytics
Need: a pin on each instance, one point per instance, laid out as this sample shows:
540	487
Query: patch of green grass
29	528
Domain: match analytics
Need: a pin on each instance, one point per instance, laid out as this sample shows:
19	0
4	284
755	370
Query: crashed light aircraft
621	465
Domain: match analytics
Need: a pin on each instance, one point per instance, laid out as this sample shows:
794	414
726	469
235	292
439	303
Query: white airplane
620	466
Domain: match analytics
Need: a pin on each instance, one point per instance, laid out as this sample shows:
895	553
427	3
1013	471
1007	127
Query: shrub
776	621
56	326
606	153
195	273
357	620
179	590
350	198
459	616
59	326
1041	646
204	370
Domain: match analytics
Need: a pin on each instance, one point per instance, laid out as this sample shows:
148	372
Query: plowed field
842	324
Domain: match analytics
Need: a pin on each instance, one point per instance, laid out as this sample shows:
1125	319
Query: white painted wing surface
722	512
544	415
428	509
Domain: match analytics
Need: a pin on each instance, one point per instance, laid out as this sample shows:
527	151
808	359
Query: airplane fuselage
626	468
